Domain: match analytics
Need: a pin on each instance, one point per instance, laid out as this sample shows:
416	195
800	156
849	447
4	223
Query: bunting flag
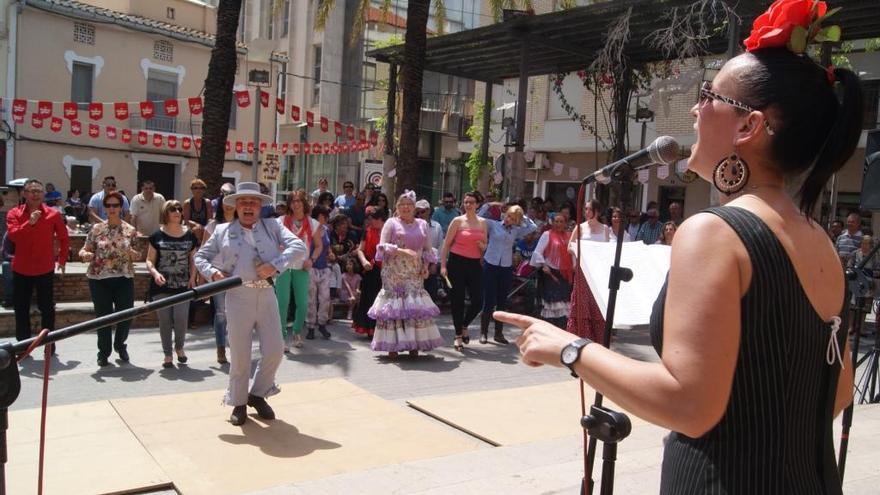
120	110
19	107
56	124
94	131
243	98
279	106
75	127
96	111
195	105
349	131
294	113
126	135
171	108
111	132
142	138
157	140
36	121
362	134
262	147
310	119
264	98
186	143
44	109
172	141
250	147
324	124
148	110
337	126
71	110
239	147
374	138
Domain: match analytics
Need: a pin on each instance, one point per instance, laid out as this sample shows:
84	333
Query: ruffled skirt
403	310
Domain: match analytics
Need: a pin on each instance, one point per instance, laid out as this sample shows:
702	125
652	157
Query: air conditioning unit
541	162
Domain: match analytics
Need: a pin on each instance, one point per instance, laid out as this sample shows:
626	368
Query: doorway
668	194
163	174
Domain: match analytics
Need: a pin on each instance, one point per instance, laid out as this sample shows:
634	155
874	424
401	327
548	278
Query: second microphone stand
603	423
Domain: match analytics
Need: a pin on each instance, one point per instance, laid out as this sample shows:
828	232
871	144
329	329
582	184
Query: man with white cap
255	250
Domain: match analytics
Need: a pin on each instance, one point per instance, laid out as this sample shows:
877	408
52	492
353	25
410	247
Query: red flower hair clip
793	24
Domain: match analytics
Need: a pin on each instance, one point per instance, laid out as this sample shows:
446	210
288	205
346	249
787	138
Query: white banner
371	173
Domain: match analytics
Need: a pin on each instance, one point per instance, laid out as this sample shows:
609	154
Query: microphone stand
10	381
602	423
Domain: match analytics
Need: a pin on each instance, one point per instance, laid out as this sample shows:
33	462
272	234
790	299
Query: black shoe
310	335
102	361
123	354
238	416
324	332
499	337
263	409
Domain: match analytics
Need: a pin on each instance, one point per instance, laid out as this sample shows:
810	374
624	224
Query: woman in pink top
465	243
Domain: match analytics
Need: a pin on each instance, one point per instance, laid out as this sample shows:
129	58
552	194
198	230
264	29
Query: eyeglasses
706	94
176	208
112	205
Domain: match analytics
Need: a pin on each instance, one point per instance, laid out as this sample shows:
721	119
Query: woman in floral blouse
109	251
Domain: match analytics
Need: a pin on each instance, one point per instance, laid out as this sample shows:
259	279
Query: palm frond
360	20
385	9
322	13
567	4
440	16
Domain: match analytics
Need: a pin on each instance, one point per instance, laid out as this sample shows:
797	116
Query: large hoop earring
731	174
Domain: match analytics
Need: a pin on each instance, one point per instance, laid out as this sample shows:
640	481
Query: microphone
664	151
257	263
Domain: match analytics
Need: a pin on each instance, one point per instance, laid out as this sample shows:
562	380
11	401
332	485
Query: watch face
569	355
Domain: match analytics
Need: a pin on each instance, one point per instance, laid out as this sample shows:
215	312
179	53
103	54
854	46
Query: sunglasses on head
707	94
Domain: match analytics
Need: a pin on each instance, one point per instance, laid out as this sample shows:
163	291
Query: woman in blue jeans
109	251
225	213
498	266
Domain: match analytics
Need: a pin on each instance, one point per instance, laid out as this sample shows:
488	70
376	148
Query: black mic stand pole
602	423
10	382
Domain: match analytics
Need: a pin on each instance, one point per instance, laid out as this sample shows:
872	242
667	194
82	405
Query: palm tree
218	95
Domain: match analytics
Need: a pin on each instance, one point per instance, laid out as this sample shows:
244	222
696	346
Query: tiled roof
375	15
80	9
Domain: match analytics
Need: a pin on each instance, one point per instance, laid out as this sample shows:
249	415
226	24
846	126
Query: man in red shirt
33	228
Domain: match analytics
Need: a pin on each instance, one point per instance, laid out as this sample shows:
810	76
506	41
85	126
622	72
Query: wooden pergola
567	41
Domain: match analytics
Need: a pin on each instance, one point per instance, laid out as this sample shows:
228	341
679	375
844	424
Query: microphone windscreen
664	150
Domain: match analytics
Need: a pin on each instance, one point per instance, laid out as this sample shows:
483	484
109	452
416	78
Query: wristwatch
572	352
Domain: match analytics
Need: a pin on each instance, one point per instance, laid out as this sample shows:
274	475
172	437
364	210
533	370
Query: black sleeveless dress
775	436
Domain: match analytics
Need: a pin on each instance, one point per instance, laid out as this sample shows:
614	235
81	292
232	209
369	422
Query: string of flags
43	115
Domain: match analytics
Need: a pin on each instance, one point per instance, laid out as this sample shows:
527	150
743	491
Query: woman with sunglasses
752	353
109	251
197	209
225	214
170	263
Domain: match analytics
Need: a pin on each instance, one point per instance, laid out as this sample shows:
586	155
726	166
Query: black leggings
465	274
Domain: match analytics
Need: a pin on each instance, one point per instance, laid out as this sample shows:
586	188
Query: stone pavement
547	466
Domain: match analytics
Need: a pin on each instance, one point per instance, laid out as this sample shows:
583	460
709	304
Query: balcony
448	114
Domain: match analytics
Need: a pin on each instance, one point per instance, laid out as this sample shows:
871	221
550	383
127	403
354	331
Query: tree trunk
218	96
411	84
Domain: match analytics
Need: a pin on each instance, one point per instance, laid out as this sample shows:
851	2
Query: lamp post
260	79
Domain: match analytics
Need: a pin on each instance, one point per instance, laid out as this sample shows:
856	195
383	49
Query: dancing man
255	250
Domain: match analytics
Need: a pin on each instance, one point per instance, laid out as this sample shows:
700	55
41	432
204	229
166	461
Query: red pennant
157	140
262	147
142	138
239	147
195	105
94	131
243	98
264	98
306	149
19	107
326	148
284	148
337	126
172	141
96	111
295	148
294	113
199	143
250	147
110	131
71	110
345	147
316	148
374	138
324	124
227	146
362	134
126	135
44	109
310	119
148	110
186	143
120	110
36	121
171	108
349	131
75	127
56	124
274	146
279	106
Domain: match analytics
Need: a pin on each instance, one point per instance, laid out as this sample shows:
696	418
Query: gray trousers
176	318
249	310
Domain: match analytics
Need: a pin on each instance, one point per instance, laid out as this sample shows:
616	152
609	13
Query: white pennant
663	172
644	175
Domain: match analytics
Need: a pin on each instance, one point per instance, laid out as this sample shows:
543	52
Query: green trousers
298	281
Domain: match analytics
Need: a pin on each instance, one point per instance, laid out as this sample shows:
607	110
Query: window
84	33
81	180
81	83
267	19
369	75
285	18
573	89
872	104
316	95
169	12
161	86
163	50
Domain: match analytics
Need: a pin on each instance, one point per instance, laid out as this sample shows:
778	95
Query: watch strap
578	345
